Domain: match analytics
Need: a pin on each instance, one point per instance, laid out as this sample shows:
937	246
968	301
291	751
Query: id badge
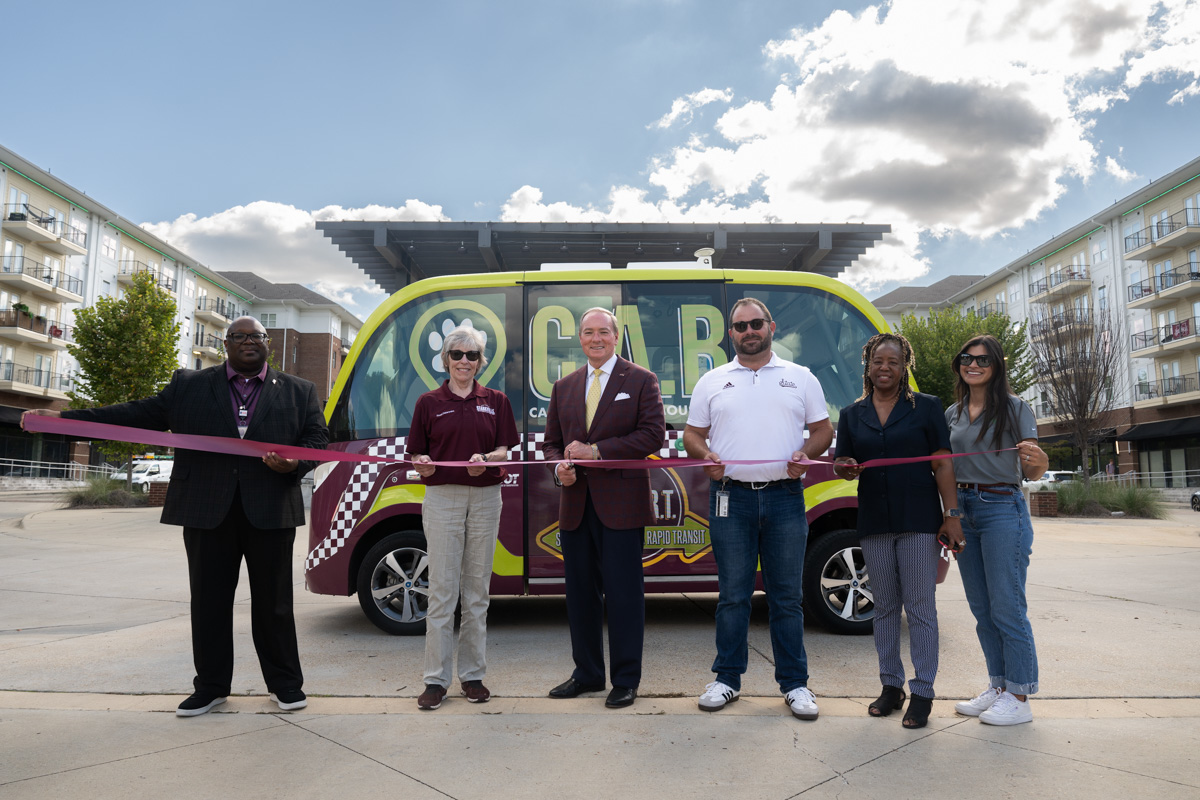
722	503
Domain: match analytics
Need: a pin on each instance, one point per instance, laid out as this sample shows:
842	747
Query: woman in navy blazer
900	514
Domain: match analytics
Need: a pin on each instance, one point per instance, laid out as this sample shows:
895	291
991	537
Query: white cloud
1114	168
968	120
685	107
281	243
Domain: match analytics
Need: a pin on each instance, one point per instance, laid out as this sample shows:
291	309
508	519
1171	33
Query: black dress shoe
572	688
620	697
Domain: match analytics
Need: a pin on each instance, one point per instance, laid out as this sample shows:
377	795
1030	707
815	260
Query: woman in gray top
996	526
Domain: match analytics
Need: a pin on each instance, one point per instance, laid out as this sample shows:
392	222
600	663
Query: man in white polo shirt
756	408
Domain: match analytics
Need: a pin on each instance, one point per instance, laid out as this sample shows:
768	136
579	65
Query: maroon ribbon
81	429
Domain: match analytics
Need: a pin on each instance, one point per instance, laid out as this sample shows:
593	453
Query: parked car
1196	501
1051	480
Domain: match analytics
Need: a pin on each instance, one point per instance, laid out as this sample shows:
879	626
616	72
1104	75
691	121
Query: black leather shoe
620	697
572	688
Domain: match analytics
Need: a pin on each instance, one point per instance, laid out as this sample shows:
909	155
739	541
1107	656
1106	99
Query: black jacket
203	484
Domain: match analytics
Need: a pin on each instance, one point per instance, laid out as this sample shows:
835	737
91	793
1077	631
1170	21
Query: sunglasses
966	358
456	355
754	324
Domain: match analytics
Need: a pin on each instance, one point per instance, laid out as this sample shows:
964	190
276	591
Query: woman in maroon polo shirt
461	421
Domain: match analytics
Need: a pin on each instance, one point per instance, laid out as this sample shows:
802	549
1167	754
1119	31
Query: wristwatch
953	513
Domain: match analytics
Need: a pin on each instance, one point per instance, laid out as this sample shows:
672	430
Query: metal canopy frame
395	254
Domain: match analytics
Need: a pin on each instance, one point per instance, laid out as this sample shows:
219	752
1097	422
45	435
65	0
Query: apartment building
310	334
1138	260
62	249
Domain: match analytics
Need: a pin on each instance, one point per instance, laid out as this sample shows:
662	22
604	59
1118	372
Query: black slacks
603	567
214	561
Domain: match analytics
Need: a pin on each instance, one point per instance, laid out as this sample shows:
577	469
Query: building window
189	288
108	247
268	320
1102	298
1100	249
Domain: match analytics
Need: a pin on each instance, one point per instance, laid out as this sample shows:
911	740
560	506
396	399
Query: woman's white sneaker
976	706
717	695
1007	710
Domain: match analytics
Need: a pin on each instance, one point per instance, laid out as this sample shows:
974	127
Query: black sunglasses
755	324
456	355
966	358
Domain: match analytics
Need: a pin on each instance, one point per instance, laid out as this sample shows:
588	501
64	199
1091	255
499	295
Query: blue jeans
993	566
766	525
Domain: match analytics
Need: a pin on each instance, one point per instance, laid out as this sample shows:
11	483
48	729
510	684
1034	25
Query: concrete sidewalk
94	657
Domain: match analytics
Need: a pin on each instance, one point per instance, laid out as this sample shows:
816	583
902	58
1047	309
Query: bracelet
595	453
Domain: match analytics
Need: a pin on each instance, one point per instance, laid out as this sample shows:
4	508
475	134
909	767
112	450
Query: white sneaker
803	703
716	695
1007	710
975	707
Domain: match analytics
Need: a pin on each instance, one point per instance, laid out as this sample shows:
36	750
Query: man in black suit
234	507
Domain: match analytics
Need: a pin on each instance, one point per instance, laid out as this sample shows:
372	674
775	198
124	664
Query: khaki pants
461	523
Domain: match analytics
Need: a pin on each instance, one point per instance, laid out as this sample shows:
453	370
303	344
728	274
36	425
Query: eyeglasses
754	324
966	358
257	338
457	355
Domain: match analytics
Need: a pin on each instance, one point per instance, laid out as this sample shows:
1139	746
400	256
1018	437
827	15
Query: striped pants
903	570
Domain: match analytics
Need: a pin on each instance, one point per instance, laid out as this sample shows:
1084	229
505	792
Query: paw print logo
437	339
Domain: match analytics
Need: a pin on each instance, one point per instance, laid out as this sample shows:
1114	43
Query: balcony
1184	229
1072	322
1154	240
1178	335
1144	341
35	330
1065	281
29	223
345	346
214	310
1142	294
208	346
1183	281
33	381
26	275
1166	391
996	307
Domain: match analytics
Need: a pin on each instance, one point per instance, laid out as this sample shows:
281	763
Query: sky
978	129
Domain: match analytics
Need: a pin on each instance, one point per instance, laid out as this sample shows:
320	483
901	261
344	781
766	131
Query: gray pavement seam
294	723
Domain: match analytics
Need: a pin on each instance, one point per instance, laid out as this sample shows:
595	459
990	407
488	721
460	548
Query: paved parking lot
94	656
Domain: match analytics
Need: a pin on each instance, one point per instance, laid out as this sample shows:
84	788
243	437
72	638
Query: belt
756	485
995	488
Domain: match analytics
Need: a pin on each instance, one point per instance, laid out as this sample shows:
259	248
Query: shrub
103	492
1100	498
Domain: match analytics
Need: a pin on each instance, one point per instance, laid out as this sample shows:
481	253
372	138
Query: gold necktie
593	398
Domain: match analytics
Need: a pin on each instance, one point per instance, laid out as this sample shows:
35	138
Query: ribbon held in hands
81	429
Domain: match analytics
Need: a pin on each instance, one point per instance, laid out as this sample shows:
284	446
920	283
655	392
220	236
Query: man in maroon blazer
610	409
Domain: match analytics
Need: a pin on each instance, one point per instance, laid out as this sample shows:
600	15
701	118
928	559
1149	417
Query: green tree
936	339
127	349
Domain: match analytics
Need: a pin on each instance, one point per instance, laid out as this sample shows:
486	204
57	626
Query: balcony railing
1140	341
997	307
23	212
24	265
1074	272
1165	387
13	318
1152	233
1038	287
207	340
1069	316
34	376
1174	331
216	305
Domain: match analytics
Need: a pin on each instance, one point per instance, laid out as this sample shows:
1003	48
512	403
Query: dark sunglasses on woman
755	324
456	355
966	358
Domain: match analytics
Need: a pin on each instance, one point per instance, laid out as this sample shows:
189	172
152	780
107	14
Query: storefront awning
1162	429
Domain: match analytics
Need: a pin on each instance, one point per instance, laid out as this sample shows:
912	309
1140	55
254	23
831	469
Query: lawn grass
1101	498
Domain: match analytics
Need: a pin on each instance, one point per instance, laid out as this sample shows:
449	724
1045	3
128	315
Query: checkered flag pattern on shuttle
670	449
354	500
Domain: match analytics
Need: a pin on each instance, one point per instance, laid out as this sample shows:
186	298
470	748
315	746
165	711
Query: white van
145	473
